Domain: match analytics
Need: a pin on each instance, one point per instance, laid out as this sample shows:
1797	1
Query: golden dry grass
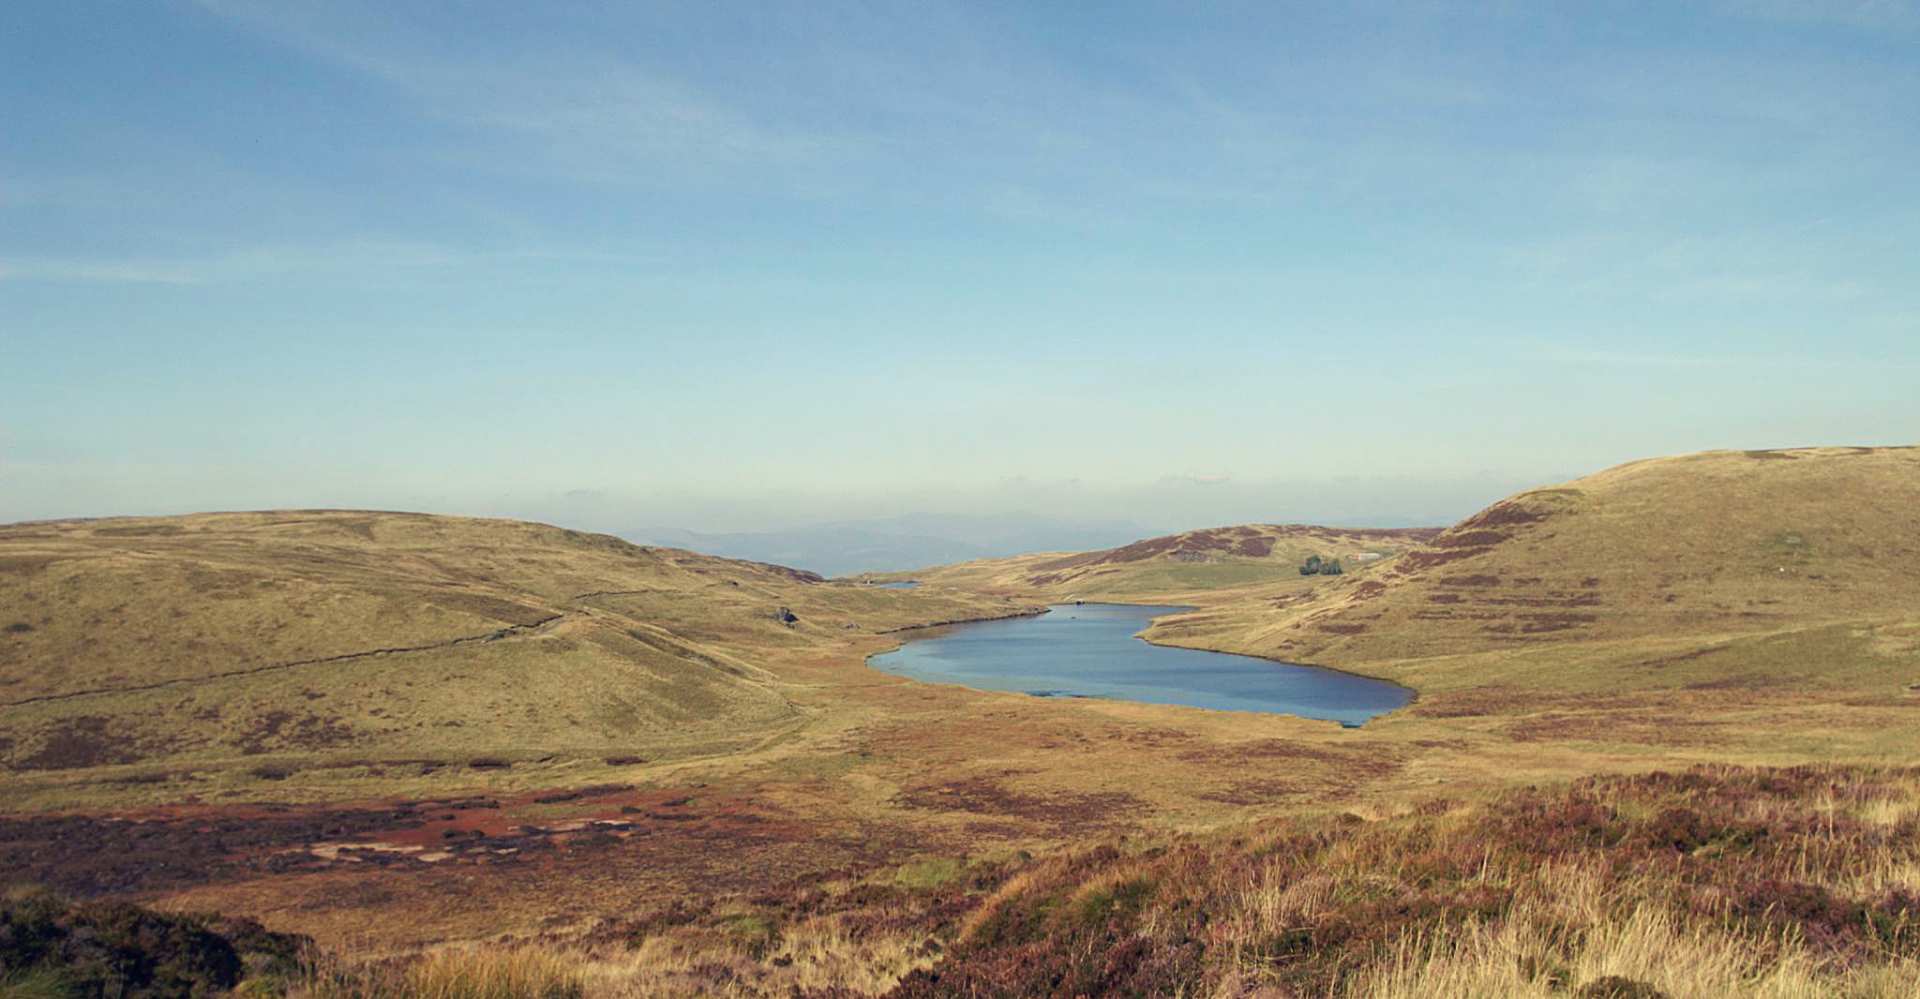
1744	570
296	641
1715	882
466	972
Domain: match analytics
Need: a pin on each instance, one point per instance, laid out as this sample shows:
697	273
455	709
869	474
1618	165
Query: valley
664	763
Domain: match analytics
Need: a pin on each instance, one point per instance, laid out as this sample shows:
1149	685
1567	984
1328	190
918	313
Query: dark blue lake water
1088	650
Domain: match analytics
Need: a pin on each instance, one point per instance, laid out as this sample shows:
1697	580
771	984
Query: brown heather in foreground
1711	882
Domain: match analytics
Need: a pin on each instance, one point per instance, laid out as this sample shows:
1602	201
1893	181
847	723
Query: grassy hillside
246	639
676	769
1192	562
1790	570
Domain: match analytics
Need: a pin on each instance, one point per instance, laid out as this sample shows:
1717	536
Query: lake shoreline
1091	661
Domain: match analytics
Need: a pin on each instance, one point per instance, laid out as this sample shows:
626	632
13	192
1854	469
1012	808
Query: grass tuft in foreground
522	972
1717	881
1714	882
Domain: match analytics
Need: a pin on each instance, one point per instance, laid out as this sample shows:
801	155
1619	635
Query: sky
737	266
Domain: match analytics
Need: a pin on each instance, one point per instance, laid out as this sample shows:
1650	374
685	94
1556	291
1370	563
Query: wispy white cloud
589	115
73	270
244	264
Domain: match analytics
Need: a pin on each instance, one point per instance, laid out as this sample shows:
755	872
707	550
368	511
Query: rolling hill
1788	569
232	638
1191	562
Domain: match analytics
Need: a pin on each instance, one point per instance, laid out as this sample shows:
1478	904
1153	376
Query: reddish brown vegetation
985	796
1427	558
1246	542
1470	539
282	730
1731	850
83	741
1507	513
178	848
1368	590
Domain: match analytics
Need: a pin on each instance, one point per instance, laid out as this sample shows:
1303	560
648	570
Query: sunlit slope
1764	567
1191	562
224	635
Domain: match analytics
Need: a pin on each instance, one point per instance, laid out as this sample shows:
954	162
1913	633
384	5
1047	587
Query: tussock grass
1716	881
1713	882
517	972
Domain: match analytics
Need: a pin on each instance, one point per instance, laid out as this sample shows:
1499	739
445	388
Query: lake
1089	650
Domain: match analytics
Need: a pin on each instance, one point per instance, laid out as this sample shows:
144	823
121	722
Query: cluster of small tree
1316	566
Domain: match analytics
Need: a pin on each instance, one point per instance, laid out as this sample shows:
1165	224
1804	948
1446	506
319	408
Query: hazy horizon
734	268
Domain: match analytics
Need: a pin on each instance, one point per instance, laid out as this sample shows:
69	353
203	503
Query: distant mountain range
894	544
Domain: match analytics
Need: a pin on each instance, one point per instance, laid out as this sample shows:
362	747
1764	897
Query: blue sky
733	266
